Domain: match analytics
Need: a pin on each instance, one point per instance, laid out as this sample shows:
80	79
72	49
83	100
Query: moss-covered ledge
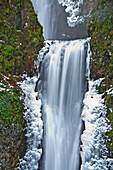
20	40
100	29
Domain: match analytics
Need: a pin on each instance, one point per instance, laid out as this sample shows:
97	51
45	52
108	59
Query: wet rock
99	75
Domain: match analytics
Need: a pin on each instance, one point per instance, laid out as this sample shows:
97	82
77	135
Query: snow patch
73	8
93	146
34	126
110	91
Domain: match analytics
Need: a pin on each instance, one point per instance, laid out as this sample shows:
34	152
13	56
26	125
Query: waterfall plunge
62	96
53	18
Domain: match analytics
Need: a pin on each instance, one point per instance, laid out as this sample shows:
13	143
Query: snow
93	146
110	91
34	125
3	86
73	8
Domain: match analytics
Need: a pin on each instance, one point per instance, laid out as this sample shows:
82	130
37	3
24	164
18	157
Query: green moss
18	49
20	40
20	33
11	107
101	32
100	29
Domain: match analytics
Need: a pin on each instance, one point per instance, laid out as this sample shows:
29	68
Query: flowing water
53	18
62	90
61	87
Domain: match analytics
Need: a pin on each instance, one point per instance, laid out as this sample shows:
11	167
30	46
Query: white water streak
63	99
45	9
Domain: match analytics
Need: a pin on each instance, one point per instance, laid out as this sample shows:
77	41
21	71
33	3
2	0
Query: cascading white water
53	17
62	96
47	7
61	88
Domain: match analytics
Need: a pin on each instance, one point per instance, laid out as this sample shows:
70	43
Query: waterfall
61	90
53	18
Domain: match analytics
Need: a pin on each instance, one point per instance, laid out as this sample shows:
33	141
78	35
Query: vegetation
101	32
20	40
21	37
11	107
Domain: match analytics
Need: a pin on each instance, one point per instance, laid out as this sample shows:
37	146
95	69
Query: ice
34	125
93	143
73	8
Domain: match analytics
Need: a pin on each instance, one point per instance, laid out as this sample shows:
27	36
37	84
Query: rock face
21	37
12	145
53	18
89	7
20	40
100	29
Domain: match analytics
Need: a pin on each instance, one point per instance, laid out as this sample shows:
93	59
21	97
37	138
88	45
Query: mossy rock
100	30
21	36
20	41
